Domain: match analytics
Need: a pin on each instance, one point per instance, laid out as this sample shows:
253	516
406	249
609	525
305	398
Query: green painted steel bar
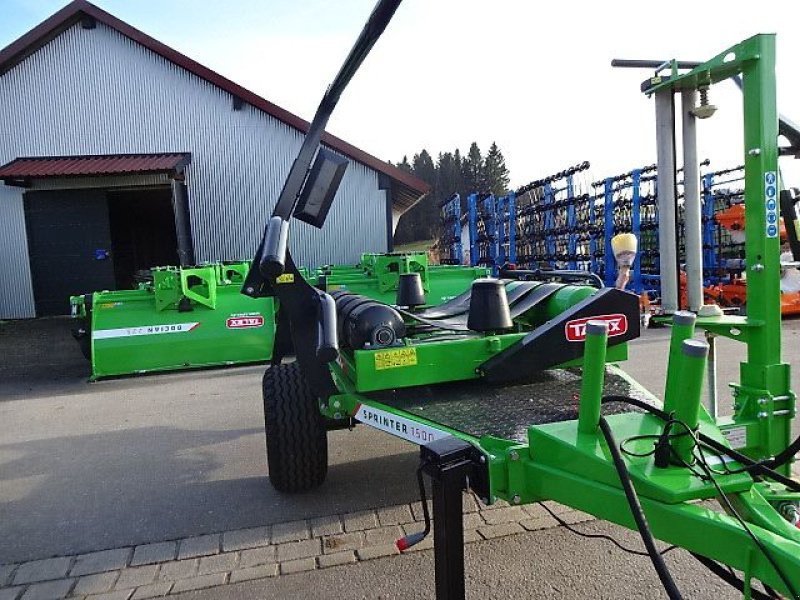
682	329
594	368
689	389
762	250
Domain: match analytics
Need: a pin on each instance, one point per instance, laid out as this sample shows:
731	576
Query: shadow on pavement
77	494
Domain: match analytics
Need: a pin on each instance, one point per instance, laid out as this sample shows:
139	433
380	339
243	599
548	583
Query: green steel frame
569	461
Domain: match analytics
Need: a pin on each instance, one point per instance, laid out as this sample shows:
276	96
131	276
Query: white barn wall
16	290
97	92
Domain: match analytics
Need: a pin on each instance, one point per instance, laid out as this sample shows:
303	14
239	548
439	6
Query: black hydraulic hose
783	457
638	514
762	468
700	438
729	577
758	468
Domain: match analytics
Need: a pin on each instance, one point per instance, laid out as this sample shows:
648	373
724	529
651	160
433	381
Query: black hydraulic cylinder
327	338
273	255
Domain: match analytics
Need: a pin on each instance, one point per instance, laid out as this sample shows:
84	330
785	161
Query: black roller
342	303
372	324
488	306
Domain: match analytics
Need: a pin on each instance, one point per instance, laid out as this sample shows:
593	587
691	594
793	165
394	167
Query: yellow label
285	278
393	359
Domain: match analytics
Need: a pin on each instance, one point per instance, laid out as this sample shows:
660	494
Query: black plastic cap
488	306
410	291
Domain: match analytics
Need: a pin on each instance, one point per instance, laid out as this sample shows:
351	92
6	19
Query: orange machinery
732	293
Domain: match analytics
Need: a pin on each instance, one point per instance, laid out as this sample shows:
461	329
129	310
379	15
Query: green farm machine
189	317
511	388
179	317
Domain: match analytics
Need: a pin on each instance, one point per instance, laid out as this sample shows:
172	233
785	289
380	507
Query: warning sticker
393	359
104	334
285	278
771	203
736	436
419	433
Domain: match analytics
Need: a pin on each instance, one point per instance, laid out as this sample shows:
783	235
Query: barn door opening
143	236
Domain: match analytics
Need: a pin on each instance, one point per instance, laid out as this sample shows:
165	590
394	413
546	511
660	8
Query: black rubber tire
297	439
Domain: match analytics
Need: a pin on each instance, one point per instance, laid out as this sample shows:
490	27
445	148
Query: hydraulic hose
783	457
638	514
729	578
762	468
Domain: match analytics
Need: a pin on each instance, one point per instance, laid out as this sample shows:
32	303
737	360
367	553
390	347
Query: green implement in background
183	318
190	317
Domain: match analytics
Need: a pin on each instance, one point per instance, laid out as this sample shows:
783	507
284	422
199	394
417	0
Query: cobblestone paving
163	568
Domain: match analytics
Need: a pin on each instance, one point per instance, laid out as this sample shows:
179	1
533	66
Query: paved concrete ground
92	466
549	563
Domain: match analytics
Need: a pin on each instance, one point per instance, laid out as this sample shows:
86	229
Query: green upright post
764	400
682	330
764	374
688	391
593	376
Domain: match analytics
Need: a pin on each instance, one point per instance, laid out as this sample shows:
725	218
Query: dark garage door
68	232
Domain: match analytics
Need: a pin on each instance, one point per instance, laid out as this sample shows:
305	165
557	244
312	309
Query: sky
535	77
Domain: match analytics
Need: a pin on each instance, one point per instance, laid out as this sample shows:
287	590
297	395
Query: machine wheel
297	439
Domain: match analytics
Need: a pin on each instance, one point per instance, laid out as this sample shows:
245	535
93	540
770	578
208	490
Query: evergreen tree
495	172
404	165
448	175
448	180
424	168
473	170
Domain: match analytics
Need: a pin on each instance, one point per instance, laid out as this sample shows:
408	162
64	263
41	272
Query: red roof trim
71	14
77	166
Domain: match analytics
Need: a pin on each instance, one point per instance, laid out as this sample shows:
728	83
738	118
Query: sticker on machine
401	427
736	436
244	321
575	330
105	334
771	203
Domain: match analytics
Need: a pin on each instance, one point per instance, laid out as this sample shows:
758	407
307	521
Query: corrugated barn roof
86	166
